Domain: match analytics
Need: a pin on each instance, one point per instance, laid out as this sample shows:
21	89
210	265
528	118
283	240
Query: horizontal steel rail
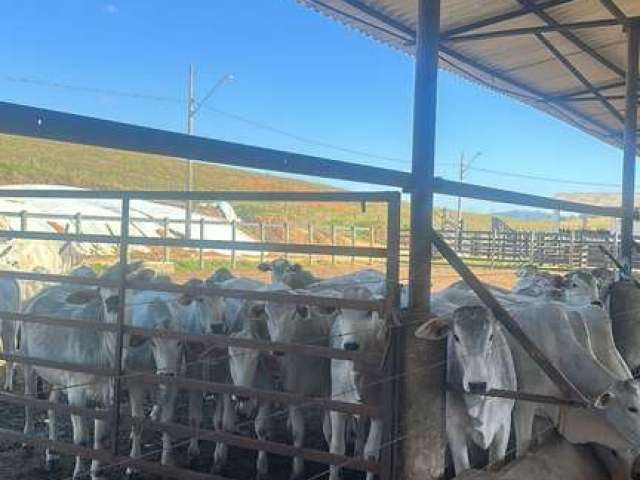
66	127
84	412
261	394
517	395
203	244
273	296
57	321
70	367
203	434
225	195
467	190
260	345
267	446
163	471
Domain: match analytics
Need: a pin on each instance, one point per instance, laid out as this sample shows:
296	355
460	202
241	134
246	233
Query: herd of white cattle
585	322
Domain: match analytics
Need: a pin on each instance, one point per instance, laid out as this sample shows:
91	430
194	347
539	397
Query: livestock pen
433	33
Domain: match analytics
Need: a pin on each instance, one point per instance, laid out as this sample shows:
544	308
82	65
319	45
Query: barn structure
574	59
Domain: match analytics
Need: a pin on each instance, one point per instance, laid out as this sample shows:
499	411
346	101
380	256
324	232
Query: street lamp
194	107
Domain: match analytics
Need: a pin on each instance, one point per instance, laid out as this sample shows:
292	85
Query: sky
301	83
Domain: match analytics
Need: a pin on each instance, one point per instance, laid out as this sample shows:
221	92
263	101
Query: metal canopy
565	57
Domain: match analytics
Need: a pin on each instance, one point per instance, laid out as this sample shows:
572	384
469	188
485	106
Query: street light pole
192	108
462	173
189	180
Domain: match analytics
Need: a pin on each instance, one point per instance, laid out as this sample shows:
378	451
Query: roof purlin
578	75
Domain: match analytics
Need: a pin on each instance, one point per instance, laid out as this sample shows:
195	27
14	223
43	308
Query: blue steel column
630	141
422	397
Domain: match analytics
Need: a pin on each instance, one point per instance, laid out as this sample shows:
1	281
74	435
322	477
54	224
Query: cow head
243	366
108	296
277	267
581	288
295	323
357	329
472	337
219	276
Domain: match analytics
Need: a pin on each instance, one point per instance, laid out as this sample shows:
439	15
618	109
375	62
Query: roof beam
565	109
579	76
614	10
608	22
544	16
600	88
540	7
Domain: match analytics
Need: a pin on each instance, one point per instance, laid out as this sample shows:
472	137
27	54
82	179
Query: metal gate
116	455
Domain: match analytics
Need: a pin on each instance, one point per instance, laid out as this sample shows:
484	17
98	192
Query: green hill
30	161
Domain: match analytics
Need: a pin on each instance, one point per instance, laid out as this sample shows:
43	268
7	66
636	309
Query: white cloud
110	9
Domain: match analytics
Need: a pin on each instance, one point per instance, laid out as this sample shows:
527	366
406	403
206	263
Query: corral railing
124	239
564	249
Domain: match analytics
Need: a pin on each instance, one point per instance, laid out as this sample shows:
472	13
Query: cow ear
603	400
303	311
257	311
82	297
145	275
435	329
185	300
265	267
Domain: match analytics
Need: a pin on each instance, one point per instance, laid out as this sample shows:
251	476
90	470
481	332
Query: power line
544	179
234	116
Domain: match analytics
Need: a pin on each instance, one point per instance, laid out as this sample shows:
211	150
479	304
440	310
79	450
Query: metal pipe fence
564	249
124	240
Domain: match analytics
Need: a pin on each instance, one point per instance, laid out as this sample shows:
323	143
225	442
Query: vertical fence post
372	241
353	242
202	237
630	146
285	235
333	243
78	221
310	238
23	220
124	251
262	241
233	239
165	235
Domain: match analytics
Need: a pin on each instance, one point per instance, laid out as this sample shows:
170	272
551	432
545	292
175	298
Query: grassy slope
24	160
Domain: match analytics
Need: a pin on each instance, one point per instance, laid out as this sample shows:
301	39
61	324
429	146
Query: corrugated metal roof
546	69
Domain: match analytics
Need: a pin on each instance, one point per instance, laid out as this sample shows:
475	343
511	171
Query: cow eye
633	409
456	337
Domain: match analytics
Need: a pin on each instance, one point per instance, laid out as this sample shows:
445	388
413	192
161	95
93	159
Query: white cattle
277	267
189	314
291	274
578	287
248	367
478	359
251	368
9	302
574	340
302	374
81	346
357	382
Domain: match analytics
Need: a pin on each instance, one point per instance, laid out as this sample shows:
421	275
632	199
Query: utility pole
462	173
194	107
189	180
